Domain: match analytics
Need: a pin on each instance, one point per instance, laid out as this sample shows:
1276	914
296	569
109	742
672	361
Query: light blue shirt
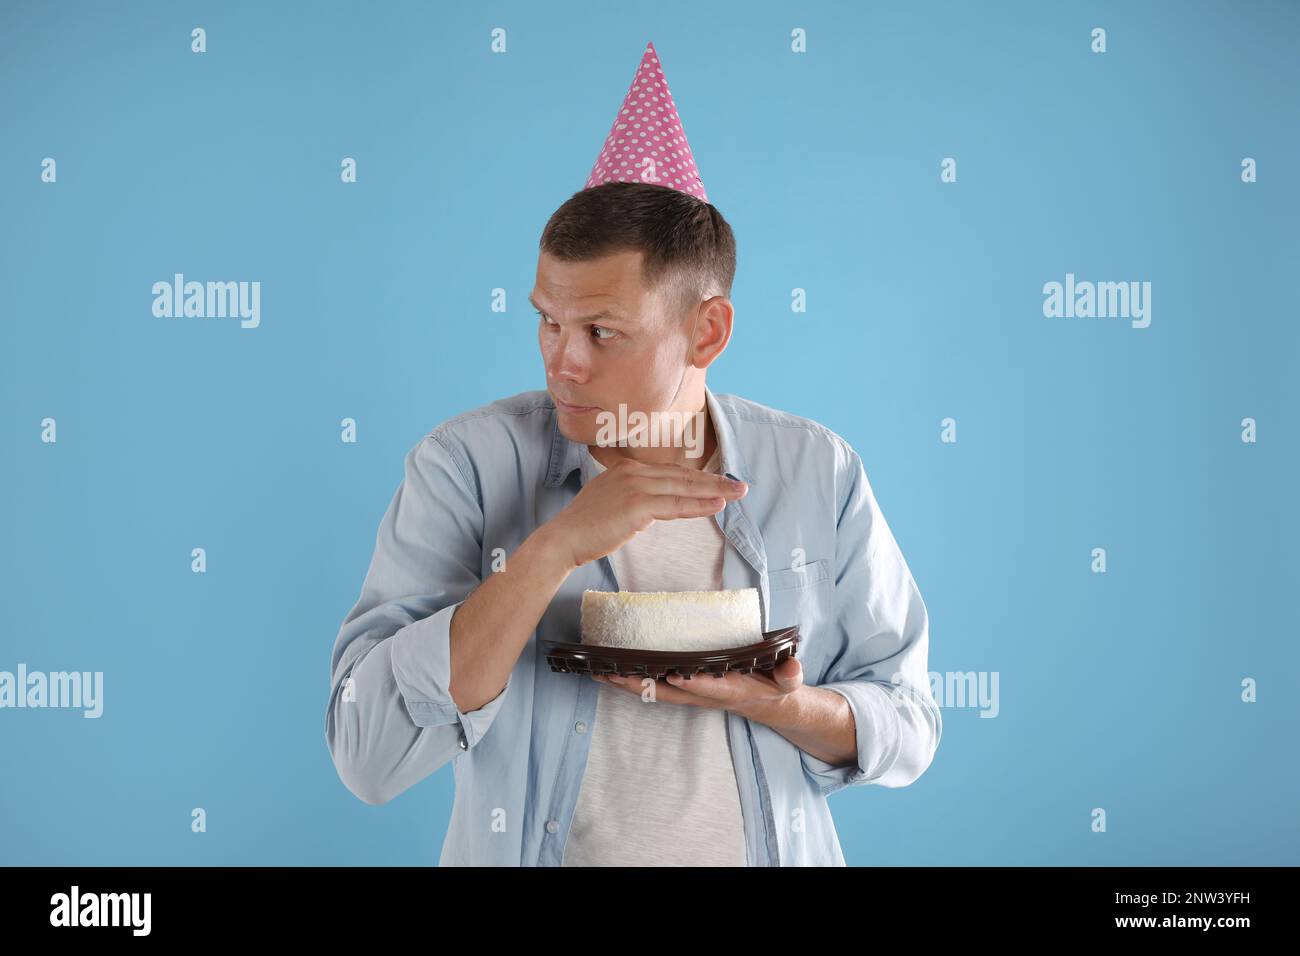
808	534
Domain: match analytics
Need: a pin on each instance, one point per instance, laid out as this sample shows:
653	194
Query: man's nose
568	361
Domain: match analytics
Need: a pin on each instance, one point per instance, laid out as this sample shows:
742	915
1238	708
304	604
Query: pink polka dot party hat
647	142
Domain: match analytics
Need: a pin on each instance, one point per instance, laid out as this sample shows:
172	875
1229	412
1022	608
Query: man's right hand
629	497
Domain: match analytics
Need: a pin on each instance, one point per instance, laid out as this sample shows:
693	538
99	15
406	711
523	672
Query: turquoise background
1118	690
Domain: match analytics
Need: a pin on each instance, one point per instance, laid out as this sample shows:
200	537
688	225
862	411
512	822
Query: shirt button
580	726
551	826
464	744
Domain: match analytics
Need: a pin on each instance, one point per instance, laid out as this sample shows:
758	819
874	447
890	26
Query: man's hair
688	249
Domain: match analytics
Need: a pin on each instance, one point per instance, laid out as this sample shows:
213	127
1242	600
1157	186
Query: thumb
788	675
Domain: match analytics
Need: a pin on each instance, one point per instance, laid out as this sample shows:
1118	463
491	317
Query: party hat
647	143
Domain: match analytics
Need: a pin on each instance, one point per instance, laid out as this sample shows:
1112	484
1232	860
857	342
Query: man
508	512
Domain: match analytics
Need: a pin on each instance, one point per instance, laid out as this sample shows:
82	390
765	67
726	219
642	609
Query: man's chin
577	430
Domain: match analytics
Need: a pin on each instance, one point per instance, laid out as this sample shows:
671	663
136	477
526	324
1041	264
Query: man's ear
713	332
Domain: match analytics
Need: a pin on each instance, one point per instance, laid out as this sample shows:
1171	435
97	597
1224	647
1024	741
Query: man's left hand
752	695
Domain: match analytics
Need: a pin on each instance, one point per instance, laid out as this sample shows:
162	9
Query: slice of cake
672	620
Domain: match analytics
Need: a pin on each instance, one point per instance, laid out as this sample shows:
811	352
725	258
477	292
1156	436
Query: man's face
606	339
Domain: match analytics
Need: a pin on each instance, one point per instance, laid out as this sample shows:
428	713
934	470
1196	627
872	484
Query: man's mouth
573	409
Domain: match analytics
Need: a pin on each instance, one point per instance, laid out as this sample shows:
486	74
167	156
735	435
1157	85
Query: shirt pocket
802	595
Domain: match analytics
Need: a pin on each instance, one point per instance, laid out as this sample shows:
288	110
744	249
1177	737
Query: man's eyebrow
604	314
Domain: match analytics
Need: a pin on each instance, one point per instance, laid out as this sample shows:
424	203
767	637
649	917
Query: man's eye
596	328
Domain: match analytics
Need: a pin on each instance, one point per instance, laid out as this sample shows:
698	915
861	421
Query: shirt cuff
421	659
876	725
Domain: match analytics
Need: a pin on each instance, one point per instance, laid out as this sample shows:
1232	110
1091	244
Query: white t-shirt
659	788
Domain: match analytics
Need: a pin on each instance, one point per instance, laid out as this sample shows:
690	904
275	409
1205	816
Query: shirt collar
566	454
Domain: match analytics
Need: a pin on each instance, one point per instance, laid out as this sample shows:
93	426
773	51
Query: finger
725	688
659	468
664	693
676	480
788	674
667	507
632	683
782	679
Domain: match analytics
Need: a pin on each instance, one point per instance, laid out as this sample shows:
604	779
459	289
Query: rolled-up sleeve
422	671
391	720
880	663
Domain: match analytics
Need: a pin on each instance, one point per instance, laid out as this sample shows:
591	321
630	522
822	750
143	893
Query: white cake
672	620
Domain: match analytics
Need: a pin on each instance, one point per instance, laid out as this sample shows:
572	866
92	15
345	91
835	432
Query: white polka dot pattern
647	142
